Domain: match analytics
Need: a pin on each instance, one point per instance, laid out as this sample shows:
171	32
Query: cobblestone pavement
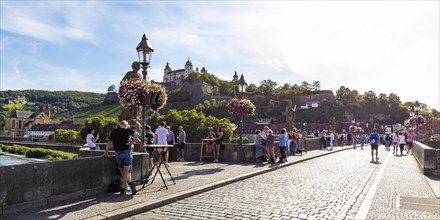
322	188
188	175
402	177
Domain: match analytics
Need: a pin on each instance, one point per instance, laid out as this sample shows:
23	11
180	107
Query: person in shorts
120	139
411	137
149	139
374	142
270	142
181	142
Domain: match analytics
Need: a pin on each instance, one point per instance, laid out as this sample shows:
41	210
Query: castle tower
165	73
235	77
203	70
188	68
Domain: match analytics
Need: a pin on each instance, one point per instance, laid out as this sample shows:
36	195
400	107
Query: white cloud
50	21
365	45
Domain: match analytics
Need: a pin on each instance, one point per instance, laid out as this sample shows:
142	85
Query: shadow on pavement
187	174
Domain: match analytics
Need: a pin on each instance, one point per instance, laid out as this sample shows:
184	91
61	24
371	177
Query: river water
9	160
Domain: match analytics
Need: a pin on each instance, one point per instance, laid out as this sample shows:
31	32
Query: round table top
208	139
158	145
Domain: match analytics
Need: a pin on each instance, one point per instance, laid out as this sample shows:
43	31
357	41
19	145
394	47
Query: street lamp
145	50
412	112
417	107
242	85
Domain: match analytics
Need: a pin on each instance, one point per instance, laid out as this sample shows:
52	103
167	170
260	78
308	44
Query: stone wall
42	183
233	153
428	158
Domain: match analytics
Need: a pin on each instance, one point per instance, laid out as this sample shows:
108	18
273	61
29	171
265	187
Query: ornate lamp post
417	107
242	85
145	51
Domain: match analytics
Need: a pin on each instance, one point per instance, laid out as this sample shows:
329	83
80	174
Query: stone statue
111	89
126	114
290	115
136	66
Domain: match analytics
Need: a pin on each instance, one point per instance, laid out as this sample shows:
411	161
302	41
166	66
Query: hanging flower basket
244	106
135	92
415	120
354	128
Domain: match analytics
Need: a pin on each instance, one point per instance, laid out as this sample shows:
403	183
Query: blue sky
383	46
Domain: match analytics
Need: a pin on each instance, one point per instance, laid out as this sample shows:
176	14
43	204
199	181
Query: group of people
216	142
125	140
266	139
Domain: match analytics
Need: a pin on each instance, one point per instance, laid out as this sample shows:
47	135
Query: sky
382	46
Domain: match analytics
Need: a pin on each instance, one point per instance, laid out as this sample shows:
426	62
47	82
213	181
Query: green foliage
237	139
194	123
212	107
178	95
67	136
64	99
7	109
103	126
38	153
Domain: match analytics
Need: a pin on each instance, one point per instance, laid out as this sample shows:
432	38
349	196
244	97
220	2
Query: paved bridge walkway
339	184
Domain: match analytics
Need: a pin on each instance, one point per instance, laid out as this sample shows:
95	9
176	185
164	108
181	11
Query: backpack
114	186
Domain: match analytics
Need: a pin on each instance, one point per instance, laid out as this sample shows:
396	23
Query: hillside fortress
175	78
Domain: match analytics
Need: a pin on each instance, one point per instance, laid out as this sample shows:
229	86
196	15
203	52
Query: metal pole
241	138
144	106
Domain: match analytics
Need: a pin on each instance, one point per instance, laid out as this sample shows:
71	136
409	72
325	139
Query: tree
316	85
187	119
345	95
267	87
102	126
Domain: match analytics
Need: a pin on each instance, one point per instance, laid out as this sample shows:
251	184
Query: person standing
374	142
161	137
211	144
181	140
170	137
387	141
332	138
259	148
120	139
295	141
270	141
218	143
91	140
402	142
283	146
354	140
149	139
396	141
343	137
362	139
264	134
137	144
349	137
323	144
410	139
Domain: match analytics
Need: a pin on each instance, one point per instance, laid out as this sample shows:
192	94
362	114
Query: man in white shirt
161	137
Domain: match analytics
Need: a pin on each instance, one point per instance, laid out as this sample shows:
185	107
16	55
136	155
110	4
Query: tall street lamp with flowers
139	92
241	106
